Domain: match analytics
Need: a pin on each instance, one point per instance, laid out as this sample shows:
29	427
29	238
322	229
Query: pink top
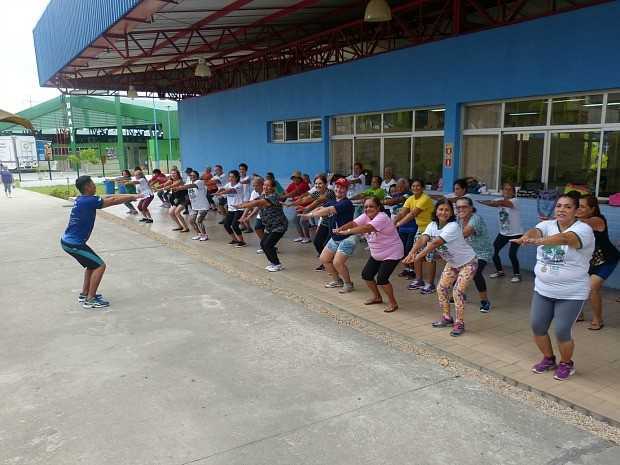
384	243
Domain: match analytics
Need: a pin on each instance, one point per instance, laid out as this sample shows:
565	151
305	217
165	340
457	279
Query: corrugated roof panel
68	26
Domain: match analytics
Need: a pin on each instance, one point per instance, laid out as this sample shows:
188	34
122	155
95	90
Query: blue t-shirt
82	219
344	214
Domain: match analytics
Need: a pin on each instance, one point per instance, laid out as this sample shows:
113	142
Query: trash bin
108	187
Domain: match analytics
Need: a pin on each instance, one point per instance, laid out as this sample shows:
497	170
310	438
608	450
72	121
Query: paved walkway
499	341
192	365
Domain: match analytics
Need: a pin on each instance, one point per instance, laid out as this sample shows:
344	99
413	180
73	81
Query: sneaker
516	278
406	273
203	238
306	240
195	238
298	239
95	303
321	267
82	297
143	220
564	370
428	289
417	284
259	251
457	329
149	221
546	364
241	244
346	288
485	306
220	222
497	274
445	321
233	242
272	268
334	284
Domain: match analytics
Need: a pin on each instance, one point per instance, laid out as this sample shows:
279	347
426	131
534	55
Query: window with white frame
409	142
545	142
306	130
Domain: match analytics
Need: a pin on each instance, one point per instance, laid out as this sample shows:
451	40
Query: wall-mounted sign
448	155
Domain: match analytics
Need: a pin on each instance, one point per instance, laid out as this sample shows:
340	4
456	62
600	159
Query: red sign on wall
448	155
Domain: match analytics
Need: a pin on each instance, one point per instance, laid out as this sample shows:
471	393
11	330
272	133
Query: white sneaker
306	241
195	238
260	251
346	288
298	239
497	274
516	278
203	238
273	268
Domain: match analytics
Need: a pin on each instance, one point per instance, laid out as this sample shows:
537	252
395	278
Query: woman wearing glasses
386	250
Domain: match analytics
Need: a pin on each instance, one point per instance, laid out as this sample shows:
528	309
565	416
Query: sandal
391	308
177	229
184	230
373	302
596	326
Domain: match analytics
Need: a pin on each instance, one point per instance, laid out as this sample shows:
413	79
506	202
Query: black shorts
83	254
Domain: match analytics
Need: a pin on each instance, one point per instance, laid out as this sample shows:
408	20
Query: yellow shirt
424	203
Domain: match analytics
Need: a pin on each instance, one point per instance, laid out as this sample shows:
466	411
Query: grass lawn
63	192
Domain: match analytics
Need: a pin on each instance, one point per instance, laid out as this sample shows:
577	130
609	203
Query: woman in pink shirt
386	250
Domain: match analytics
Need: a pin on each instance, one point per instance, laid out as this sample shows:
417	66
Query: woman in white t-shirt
233	191
509	216
197	193
445	237
562	285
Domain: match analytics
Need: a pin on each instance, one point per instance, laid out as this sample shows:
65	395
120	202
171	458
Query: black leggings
231	222
164	196
381	269
479	281
268	244
498	245
321	237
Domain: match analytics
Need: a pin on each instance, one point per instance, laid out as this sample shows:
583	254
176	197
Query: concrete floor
191	365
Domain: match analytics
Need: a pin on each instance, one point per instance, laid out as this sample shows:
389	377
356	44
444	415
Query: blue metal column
452	135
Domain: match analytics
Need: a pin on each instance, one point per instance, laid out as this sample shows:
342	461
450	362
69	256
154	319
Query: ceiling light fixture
132	92
377	11
202	68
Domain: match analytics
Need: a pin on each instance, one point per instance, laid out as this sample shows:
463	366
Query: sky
19	83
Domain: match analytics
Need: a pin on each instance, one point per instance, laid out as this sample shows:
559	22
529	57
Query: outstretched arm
117	199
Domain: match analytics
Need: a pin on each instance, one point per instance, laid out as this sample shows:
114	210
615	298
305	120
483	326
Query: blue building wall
564	53
68	26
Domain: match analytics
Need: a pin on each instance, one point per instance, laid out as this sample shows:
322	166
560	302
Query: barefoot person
605	257
562	285
444	236
73	241
386	250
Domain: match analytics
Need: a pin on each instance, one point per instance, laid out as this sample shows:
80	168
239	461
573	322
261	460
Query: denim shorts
258	224
603	270
345	246
430	257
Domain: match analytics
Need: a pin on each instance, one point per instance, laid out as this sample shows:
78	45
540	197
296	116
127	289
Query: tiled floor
500	341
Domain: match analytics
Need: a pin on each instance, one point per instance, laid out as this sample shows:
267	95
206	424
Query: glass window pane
397	155
429	120
401	121
342	126
483	116
368	124
304	130
291	130
610	165
277	132
480	159
613	108
585	109
573	159
368	153
428	157
522	158
526	113
316	132
342	156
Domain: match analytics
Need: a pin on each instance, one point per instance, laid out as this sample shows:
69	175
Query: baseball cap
343	182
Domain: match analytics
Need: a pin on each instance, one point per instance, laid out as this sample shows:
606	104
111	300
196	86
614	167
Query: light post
169	142
155	135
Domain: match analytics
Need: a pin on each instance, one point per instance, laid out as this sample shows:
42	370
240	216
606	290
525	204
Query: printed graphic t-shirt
510	220
561	271
456	251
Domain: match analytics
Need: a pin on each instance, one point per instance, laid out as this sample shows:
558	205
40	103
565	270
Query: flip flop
184	230
596	326
391	309
177	229
373	302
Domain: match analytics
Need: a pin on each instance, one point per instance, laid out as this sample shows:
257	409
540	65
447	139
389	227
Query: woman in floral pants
444	236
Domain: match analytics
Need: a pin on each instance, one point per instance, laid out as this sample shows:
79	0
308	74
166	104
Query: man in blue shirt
73	241
7	180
